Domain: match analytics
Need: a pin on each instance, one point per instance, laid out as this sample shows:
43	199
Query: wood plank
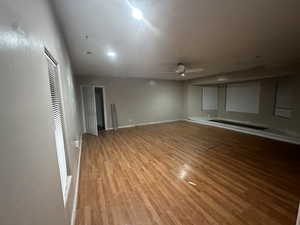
187	174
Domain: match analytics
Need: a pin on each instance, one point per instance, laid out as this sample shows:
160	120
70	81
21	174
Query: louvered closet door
58	122
89	105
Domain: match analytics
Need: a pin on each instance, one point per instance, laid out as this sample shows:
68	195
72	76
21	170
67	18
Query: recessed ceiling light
137	14
182	74
111	54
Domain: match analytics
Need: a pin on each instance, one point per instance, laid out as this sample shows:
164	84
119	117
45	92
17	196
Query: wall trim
278	137
73	216
147	123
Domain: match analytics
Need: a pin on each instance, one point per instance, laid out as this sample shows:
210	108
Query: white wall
30	191
140	100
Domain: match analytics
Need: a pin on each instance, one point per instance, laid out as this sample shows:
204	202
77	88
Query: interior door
89	109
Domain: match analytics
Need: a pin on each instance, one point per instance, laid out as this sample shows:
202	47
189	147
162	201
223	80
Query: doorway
93	109
99	108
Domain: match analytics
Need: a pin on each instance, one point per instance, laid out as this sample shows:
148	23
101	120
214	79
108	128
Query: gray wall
30	192
140	100
266	112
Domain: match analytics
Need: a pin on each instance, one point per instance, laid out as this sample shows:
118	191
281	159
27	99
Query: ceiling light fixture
111	54
182	74
137	14
192	183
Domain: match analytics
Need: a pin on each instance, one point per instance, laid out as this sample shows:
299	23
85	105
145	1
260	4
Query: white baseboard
73	216
67	189
243	122
260	133
145	124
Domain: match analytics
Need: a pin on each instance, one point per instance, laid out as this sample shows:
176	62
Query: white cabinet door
89	109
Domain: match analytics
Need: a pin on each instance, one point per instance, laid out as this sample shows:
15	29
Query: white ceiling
217	35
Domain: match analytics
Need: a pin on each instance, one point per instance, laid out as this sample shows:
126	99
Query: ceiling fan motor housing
180	68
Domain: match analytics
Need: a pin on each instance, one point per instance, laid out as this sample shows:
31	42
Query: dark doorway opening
100	108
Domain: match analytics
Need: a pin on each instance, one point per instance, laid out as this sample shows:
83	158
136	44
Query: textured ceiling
217	35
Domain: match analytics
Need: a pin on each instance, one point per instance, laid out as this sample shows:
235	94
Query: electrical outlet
77	143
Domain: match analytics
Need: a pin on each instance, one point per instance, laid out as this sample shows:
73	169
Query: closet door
89	109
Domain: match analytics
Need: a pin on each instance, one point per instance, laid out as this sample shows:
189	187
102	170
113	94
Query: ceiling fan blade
170	72
195	70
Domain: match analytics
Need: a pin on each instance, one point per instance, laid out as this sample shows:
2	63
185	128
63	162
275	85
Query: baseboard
73	216
243	122
145	124
264	134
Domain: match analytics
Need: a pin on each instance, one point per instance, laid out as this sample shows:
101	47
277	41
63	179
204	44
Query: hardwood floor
187	174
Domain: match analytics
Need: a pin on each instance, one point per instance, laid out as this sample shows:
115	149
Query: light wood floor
182	174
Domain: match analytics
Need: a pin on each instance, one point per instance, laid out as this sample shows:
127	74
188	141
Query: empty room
150	112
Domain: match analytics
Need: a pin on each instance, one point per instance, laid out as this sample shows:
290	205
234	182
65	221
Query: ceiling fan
181	69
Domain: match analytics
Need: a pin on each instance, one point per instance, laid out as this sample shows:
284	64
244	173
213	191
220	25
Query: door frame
82	108
104	104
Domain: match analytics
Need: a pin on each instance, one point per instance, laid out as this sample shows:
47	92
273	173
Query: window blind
209	98
58	121
243	97
283	104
